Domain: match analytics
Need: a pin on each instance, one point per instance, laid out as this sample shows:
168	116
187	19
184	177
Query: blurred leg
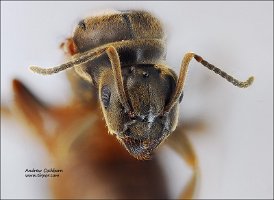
180	143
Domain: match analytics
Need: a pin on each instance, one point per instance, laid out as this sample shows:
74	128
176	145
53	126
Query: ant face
148	90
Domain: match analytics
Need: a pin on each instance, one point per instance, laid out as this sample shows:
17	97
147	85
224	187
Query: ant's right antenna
240	84
183	72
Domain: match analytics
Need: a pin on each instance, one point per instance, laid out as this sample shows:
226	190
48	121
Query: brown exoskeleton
123	56
119	59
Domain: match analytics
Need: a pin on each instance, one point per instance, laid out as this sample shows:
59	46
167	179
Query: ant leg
69	129
68	122
30	108
180	143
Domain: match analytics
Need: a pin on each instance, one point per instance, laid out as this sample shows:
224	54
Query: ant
118	58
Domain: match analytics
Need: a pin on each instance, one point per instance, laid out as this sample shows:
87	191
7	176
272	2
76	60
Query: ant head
144	125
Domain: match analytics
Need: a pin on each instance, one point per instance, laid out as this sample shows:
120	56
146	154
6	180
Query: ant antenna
90	55
183	73
78	59
117	72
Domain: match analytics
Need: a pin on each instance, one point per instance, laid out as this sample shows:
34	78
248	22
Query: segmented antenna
117	72
229	78
78	59
183	72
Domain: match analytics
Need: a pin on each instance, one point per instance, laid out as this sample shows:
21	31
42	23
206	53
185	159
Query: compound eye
181	97
82	25
105	96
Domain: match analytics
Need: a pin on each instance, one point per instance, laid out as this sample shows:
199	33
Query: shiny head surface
148	90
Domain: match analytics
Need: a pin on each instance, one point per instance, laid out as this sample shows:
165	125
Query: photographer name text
43	173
